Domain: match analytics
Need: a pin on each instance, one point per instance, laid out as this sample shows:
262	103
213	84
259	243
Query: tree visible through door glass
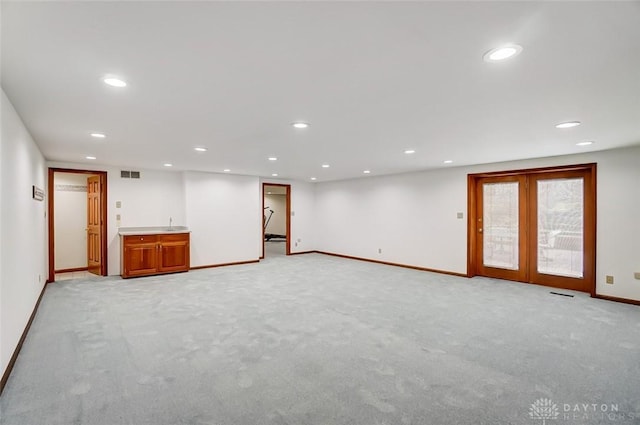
500	225
561	227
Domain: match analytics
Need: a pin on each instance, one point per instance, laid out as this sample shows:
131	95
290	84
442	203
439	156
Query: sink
174	229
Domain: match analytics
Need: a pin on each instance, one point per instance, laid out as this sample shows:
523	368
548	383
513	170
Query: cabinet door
140	259
174	255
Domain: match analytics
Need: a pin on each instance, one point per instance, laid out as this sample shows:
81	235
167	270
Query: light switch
118	204
460	215
118	217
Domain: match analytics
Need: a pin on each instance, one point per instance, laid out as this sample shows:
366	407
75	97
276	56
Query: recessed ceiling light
409	151
90	157
568	124
226	170
166	164
115	82
98	135
367	172
448	161
274	175
273	158
300	124
585	143
501	53
326	165
200	149
313	178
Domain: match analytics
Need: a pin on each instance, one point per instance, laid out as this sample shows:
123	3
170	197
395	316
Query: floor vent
564	295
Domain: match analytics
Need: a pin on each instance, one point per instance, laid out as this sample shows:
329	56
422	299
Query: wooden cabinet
139	256
145	255
173	253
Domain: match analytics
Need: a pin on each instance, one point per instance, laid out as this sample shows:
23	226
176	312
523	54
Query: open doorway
77	223
276	226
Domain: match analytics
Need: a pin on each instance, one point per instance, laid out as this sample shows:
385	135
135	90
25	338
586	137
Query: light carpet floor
314	339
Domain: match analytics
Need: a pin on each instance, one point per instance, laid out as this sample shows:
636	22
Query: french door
535	226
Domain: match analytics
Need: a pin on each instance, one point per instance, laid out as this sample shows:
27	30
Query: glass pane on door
500	225
560	227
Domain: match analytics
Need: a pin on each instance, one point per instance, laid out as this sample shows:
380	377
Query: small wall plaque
37	193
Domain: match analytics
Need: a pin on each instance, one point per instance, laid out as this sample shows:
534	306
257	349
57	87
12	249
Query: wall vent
129	174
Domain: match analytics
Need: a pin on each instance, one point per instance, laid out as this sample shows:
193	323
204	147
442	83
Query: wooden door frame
51	221
590	215
287	212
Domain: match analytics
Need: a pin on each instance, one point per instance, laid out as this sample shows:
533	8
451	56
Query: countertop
157	230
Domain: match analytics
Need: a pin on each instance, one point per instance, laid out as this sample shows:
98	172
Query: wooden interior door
94	221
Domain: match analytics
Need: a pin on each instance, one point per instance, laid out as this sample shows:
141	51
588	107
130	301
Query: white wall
3	102
148	201
303	213
70	217
278	223
233	201
23	241
412	217
223	214
618	235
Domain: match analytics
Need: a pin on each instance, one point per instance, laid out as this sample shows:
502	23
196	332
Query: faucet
170	223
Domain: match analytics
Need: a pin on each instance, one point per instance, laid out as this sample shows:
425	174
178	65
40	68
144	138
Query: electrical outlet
39	278
609	280
636	275
460	215
379	250
118	204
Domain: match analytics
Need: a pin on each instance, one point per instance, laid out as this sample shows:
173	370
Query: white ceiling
372	78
